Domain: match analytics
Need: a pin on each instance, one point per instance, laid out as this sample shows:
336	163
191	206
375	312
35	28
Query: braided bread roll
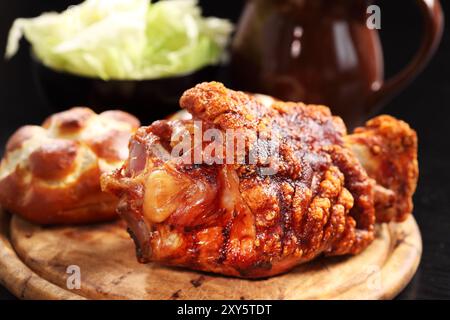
50	174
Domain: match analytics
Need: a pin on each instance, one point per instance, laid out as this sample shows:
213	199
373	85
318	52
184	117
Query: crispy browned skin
232	219
387	148
50	174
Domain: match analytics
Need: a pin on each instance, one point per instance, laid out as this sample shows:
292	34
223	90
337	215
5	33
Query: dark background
425	105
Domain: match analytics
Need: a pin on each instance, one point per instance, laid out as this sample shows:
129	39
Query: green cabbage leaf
124	39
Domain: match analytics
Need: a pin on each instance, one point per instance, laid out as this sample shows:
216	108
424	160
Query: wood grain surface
34	261
18	278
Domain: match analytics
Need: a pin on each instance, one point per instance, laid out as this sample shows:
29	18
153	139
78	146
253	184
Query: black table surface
425	105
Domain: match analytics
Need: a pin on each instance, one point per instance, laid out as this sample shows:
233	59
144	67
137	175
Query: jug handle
432	34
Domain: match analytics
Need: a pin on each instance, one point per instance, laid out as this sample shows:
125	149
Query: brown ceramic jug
323	52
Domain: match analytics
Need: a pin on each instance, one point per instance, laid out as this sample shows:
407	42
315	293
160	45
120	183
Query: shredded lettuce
124	39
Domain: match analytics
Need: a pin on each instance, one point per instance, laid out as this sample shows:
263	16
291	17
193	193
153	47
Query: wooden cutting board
34	262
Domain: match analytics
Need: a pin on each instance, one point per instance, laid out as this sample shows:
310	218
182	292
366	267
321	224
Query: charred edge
226	240
259	265
139	253
286	219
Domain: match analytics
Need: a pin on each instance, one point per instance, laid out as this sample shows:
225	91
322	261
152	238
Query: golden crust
71	121
54	159
387	148
21	135
51	174
231	218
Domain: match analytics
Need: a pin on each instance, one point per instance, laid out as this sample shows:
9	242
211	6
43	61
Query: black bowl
147	99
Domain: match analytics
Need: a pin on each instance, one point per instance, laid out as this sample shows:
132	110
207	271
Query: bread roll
50	174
